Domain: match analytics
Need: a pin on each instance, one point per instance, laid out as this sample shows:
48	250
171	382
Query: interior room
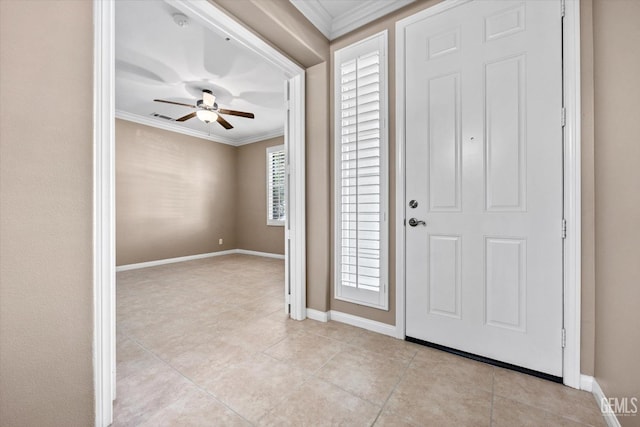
187	185
327	212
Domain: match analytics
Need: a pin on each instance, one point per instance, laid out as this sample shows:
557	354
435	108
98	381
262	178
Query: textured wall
252	230
175	194
46	291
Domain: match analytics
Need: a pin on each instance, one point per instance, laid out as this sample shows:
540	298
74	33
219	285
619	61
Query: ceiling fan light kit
208	111
207	116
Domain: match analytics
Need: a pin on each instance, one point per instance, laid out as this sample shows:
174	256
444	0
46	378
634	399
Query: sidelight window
361	172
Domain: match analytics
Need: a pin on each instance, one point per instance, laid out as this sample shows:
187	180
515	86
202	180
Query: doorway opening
104	180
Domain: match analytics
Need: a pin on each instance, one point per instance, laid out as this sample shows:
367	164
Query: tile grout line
393	390
135	341
315	373
207	392
306	380
546	411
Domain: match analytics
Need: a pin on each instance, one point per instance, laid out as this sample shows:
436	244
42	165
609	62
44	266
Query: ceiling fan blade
174	103
208	97
225	124
236	113
187	117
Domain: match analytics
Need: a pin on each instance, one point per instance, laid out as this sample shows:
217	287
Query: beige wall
46	54
318	195
588	272
617	198
283	26
252	230
175	194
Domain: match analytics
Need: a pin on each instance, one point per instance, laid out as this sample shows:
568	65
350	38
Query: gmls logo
625	406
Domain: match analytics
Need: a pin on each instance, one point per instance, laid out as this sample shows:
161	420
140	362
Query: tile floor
206	343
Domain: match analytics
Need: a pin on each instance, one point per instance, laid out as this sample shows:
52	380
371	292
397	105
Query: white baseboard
603	404
586	383
172	260
361	322
193	257
350	319
320	316
262	254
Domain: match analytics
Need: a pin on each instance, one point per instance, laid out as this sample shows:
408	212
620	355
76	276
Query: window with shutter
276	203
361	172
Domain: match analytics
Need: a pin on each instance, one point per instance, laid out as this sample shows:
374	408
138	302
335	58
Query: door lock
415	222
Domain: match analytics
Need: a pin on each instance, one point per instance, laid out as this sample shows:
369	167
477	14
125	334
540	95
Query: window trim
380	299
272	149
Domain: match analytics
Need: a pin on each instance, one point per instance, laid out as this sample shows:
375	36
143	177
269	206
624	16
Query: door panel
505	291
484	161
444	275
505	121
444	168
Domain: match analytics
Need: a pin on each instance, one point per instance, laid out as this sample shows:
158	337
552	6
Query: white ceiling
335	18
157	59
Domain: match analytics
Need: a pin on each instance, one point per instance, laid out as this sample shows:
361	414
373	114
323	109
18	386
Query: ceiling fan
208	111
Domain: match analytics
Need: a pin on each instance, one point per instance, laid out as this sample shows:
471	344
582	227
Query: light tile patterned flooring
206	343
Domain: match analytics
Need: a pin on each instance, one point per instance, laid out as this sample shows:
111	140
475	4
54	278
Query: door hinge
564	228
562	9
404	222
563	116
564	338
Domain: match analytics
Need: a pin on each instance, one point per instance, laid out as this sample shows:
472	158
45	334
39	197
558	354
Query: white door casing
484	162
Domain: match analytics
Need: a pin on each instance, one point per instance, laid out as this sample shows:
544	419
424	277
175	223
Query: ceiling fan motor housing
200	104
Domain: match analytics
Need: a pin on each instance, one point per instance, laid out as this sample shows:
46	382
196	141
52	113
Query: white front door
483	97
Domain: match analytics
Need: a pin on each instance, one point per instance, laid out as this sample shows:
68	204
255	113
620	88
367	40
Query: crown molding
263	137
369	11
314	12
332	28
162	124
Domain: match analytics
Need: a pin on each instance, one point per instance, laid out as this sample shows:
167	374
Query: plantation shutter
276	208
361	173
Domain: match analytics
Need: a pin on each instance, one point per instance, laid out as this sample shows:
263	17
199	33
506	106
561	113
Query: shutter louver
276	208
360	172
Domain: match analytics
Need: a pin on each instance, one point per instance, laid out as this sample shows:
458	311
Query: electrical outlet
219	241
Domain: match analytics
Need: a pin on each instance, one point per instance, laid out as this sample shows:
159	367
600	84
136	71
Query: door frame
104	181
572	180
